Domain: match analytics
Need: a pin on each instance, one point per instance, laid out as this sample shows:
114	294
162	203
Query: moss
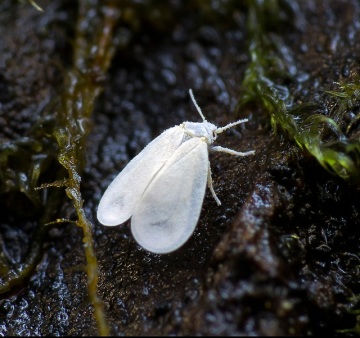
59	138
82	87
34	4
52	154
307	123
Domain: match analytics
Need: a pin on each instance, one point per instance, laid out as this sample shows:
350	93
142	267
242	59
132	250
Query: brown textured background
279	256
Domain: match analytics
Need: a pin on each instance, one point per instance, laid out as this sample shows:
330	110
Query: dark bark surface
280	256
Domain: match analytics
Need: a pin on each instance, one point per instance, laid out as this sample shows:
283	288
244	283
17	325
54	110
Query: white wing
118	202
167	213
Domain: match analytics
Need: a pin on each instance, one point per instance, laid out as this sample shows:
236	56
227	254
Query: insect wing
167	213
118	202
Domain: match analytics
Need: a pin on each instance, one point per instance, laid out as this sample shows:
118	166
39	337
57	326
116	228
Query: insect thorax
200	129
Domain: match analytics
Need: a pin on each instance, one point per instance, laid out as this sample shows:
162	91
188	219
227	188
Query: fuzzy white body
163	187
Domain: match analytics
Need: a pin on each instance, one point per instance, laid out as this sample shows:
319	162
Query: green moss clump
311	129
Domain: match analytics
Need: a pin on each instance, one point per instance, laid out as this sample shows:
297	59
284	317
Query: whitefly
162	188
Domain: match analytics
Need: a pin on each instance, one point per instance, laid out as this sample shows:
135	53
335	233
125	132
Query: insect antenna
196	105
230	125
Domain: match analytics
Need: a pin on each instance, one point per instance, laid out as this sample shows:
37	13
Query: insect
163	187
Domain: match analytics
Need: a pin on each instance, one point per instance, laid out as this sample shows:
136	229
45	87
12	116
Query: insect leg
210	185
232	152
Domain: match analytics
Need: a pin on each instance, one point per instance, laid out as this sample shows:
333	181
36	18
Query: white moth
163	187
